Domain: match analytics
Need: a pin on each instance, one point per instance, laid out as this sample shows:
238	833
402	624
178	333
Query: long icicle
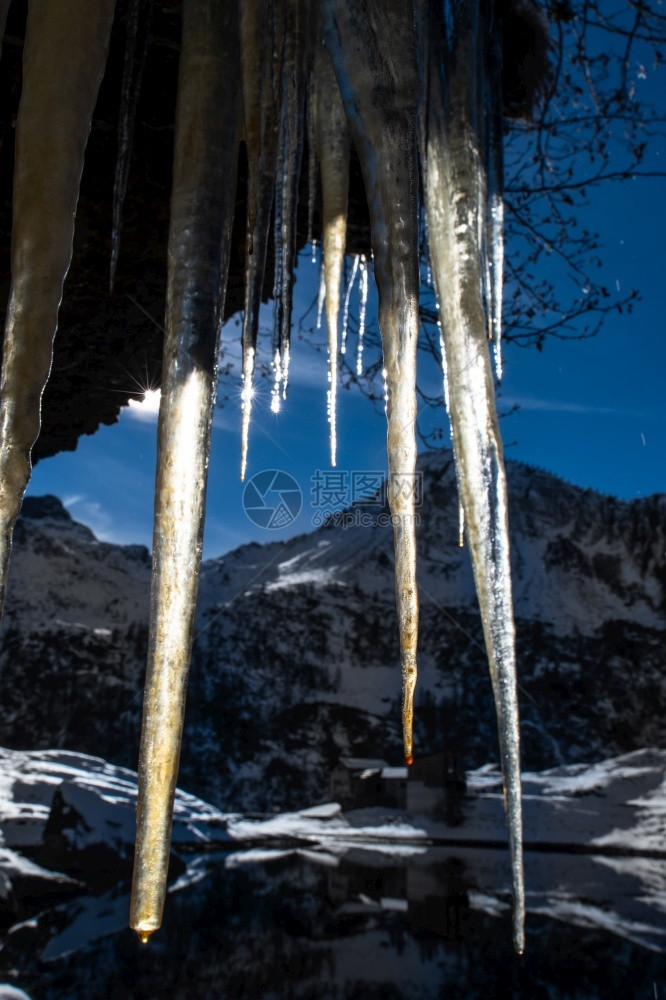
453	192
312	155
289	172
138	21
495	182
63	62
332	145
202	206
374	50
259	27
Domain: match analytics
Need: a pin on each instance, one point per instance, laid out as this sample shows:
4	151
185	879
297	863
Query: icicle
362	305
492	102
345	311
247	395
445	374
453	203
256	67
312	160
321	296
63	62
277	381
461	524
332	144
374	50
138	20
202	207
284	373
289	169
260	33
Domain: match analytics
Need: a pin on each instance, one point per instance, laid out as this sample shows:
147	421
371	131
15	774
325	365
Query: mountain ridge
295	659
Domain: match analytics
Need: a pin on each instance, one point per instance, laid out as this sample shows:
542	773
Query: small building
435	785
359	782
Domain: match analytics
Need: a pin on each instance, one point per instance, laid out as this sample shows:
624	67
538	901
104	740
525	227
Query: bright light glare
148	407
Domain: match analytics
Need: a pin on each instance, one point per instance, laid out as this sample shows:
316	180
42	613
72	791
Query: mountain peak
40	508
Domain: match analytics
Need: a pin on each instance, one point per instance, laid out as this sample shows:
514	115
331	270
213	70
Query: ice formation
455	207
63	62
138	20
261	28
331	136
208	121
414	87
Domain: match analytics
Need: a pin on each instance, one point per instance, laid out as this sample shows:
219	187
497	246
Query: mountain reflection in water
364	924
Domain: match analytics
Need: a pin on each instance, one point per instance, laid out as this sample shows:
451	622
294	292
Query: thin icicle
454	203
259	25
321	295
497	355
289	169
312	162
208	119
63	61
332	146
276	393
495	181
445	373
247	395
461	524
373	46
136	44
345	311
362	305
284	374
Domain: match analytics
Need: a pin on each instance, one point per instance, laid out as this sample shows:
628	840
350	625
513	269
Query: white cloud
146	408
560	406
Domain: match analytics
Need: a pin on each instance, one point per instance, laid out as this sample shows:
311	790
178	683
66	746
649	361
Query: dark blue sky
590	411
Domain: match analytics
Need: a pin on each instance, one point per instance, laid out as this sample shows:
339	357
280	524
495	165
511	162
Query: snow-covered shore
616	807
616	804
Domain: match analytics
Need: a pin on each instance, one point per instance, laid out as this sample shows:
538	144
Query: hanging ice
261	26
63	61
454	202
345	311
138	20
374	51
490	69
312	154
321	295
459	130
202	207
332	144
289	172
362	305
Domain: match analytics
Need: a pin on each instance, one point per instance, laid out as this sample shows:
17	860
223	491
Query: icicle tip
144	935
409	759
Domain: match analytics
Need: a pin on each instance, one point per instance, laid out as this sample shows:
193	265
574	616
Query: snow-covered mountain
296	660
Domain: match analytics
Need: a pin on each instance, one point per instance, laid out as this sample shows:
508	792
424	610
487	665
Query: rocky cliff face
296	660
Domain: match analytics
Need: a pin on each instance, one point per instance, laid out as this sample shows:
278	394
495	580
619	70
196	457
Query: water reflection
420	923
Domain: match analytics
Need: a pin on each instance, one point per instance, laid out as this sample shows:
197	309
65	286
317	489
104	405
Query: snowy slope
620	803
296	660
